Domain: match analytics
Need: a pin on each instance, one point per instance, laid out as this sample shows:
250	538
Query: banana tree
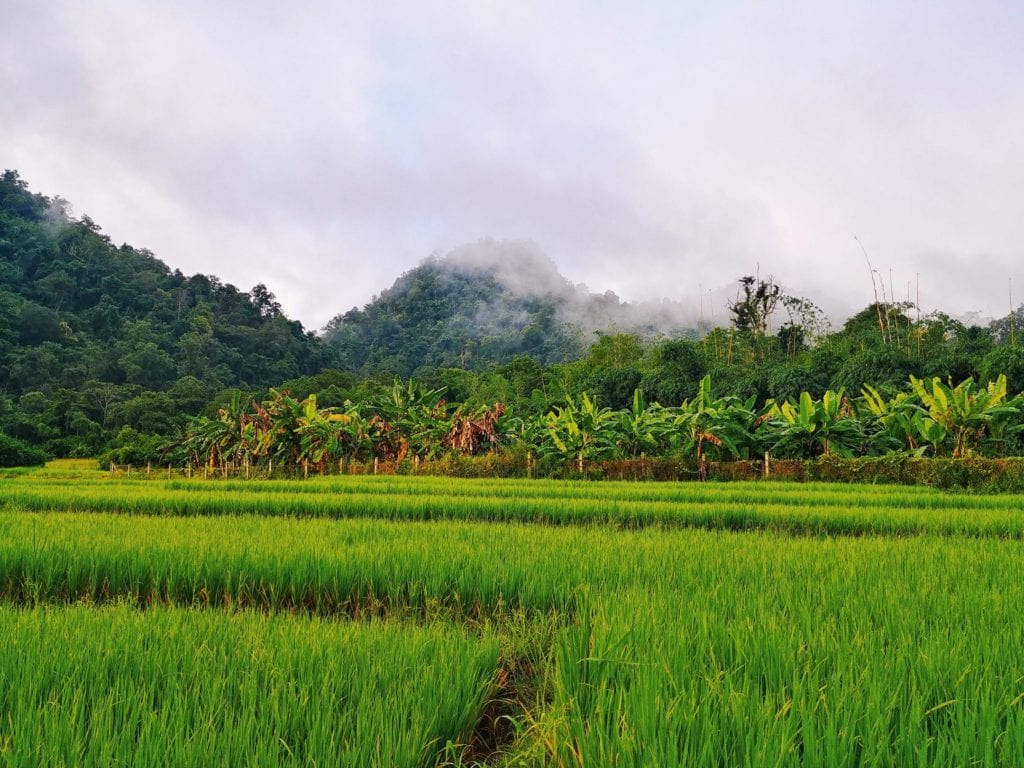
814	427
205	440
1004	432
710	427
358	441
893	425
643	428
331	433
265	436
475	432
931	432
229	437
412	418
968	413
525	433
279	420
580	430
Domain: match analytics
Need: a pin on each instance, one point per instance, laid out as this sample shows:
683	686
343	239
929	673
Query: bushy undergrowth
17	453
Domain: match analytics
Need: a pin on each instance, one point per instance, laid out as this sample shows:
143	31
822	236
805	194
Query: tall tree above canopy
265	301
755	303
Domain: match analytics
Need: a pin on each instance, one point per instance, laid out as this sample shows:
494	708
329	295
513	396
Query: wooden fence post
376	464
129	470
767	467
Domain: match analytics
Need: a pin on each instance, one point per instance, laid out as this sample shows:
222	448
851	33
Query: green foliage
896	425
967	414
679	366
96	326
813	427
644	430
711	427
135	448
440	316
1006	361
17	453
615	386
882	367
410	422
786	382
580	429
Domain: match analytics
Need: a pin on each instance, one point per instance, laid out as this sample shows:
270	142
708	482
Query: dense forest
105	350
97	338
483	304
438	317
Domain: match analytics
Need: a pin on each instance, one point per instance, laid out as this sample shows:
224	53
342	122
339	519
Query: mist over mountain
486	302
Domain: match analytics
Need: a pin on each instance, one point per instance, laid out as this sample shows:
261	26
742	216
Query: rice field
169	686
784	507
415	621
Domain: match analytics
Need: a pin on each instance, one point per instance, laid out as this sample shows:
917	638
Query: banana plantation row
929	418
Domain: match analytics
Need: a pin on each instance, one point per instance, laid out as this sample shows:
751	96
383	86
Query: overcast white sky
648	148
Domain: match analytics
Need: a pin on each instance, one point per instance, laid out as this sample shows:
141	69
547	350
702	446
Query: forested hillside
437	317
483	304
95	337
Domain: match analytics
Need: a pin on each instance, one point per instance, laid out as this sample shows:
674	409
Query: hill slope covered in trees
95	337
485	303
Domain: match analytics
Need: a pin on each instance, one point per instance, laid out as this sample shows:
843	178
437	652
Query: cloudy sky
648	148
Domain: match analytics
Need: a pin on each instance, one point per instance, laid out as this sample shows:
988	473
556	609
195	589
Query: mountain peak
485	302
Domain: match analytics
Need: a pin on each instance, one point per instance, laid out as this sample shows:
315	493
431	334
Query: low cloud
657	153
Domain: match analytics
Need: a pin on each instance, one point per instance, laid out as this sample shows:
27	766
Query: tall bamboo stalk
1013	329
874	288
892	308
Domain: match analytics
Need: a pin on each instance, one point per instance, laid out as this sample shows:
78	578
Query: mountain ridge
484	303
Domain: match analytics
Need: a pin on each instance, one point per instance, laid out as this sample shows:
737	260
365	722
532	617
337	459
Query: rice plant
815	509
168	687
678	627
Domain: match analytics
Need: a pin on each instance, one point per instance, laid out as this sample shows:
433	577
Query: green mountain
95	337
485	303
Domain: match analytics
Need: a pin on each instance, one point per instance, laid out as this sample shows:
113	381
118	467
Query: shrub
1008	361
132	447
16	453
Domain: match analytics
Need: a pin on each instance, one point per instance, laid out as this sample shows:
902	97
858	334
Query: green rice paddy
415	621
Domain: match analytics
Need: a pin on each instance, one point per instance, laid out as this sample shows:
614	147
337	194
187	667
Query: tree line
412	423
